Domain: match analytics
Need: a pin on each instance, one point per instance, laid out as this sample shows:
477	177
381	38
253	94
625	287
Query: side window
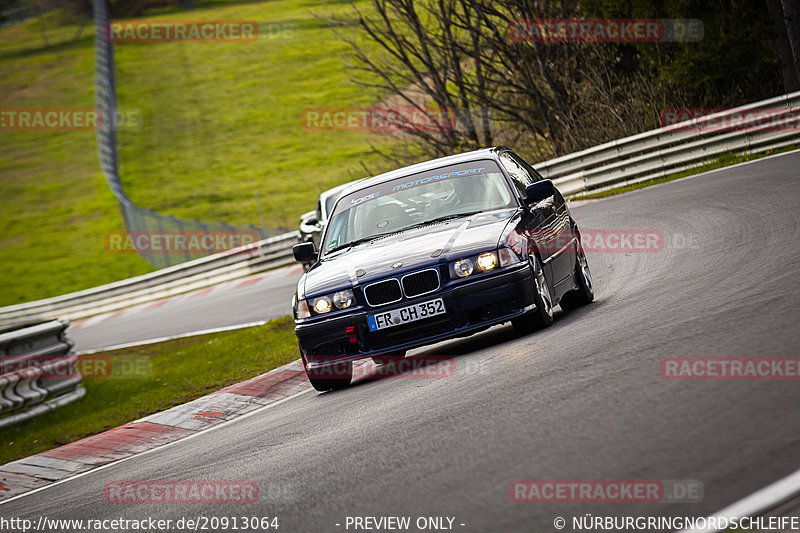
519	175
536	175
531	171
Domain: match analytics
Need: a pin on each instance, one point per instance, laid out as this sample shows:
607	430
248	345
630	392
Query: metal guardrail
217	268
640	157
677	147
37	372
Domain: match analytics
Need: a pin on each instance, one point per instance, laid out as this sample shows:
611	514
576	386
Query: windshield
399	204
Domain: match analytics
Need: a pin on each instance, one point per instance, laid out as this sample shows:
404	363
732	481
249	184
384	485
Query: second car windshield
398	204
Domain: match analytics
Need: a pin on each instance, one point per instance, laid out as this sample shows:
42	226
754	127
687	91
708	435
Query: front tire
542	316
329	378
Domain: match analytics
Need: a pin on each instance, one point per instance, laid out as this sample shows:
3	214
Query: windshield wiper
379	235
441	219
360	241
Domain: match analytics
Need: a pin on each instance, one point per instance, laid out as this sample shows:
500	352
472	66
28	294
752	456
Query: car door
549	221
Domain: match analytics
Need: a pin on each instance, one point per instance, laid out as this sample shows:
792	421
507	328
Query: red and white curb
78	458
38	472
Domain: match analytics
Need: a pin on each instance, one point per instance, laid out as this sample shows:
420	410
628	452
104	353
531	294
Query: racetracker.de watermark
177	242
389	118
88	366
180	492
720	120
731	368
154	31
419	367
66	119
605	491
602	30
592	240
395	367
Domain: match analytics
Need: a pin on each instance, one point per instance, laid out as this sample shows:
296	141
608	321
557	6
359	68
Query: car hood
417	248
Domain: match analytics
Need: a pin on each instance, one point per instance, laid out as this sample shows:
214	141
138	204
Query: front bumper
472	305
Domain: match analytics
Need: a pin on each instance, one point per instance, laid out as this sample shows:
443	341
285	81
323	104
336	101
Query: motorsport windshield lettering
404	184
437	177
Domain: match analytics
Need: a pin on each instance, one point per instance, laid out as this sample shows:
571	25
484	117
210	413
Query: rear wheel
542	316
330	377
584	294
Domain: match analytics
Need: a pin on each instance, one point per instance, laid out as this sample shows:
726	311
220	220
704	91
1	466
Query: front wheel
542	316
329	378
584	294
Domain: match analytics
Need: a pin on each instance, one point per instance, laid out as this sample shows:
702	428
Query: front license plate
404	315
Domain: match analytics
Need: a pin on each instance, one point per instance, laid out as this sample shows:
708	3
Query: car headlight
325	303
343	299
483	262
487	261
463	267
302	310
322	305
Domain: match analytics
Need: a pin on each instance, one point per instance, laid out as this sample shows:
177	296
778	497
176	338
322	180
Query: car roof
485	153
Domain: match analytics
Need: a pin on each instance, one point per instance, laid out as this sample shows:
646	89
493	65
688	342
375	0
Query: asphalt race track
238	302
581	400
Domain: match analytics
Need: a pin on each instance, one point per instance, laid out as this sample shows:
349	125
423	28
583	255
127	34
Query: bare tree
791	17
784	48
509	87
458	55
422	66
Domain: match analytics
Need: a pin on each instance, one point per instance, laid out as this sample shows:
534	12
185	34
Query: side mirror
541	190
311	221
304	252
